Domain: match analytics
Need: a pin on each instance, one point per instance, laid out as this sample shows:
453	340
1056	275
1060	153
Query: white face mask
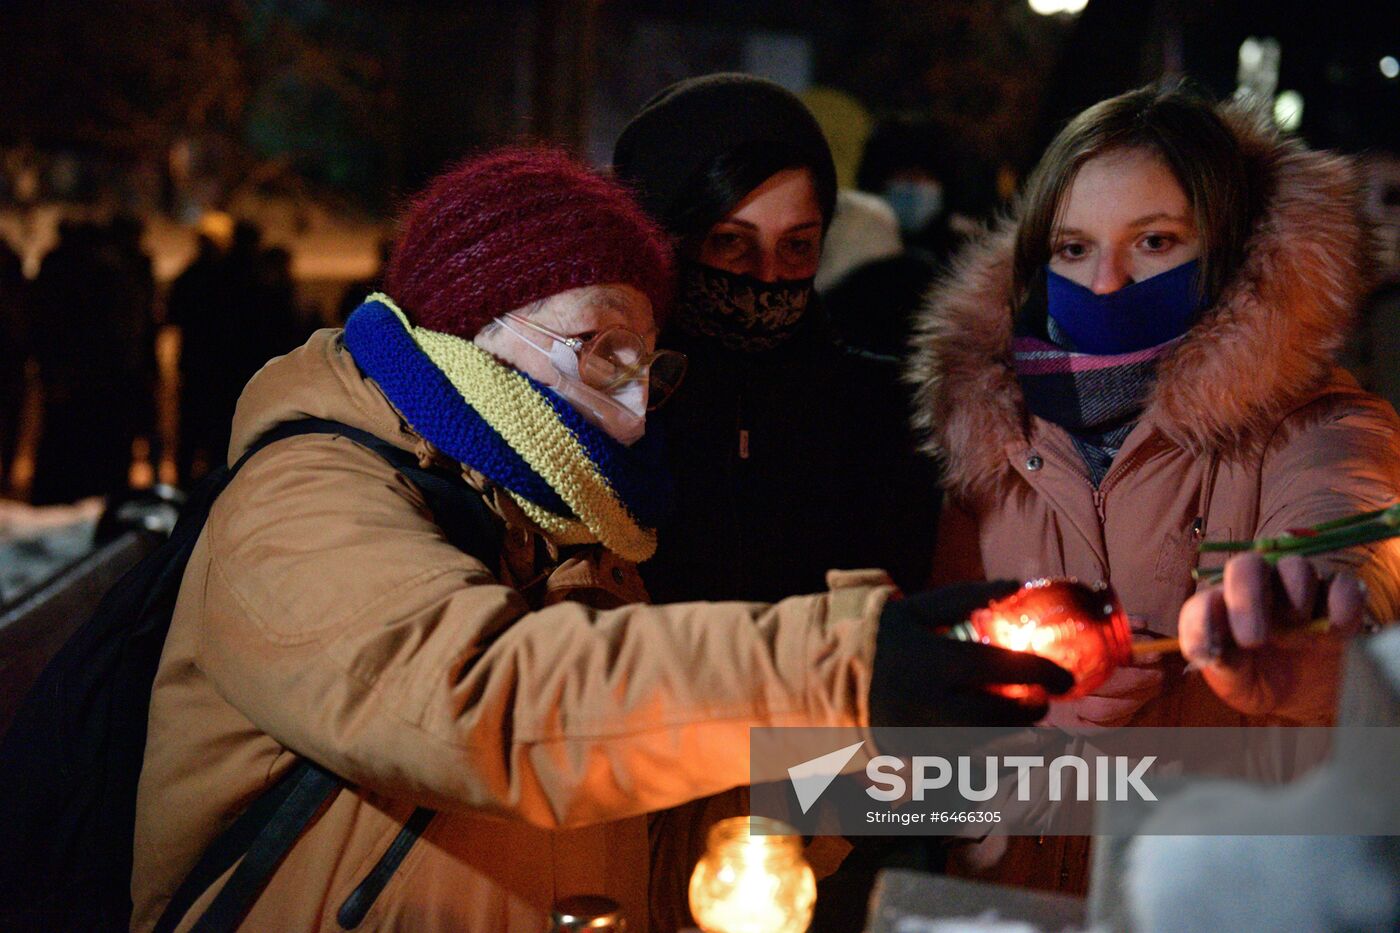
915	203
622	413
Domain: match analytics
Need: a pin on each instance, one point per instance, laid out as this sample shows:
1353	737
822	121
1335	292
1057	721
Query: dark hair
699	146
716	188
1182	127
904	142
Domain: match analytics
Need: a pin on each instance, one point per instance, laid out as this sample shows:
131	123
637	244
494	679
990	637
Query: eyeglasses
618	355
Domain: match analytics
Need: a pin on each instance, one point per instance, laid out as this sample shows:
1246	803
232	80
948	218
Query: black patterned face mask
739	311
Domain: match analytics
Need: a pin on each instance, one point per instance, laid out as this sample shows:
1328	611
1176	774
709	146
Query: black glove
923	678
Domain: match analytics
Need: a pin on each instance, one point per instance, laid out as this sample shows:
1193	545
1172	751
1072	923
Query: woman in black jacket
791	455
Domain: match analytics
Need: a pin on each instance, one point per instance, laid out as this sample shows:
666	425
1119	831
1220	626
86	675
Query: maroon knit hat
514	226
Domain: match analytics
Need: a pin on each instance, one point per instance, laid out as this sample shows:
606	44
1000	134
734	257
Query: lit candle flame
752	883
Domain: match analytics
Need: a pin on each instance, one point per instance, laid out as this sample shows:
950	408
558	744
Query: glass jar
1081	628
587	913
752	878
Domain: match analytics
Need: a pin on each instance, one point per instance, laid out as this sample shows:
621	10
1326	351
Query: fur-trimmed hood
1266	345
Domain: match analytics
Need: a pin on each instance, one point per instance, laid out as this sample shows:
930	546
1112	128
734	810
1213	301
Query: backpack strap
266	831
261	836
356	907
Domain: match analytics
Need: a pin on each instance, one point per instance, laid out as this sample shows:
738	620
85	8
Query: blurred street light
1256	77
1288	110
1052	7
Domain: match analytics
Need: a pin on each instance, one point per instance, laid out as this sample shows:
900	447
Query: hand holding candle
1249	636
1081	628
920	677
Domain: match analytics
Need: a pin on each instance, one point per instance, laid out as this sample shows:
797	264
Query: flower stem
1377	526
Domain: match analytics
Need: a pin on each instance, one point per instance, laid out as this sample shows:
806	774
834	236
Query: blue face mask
1141	315
915	203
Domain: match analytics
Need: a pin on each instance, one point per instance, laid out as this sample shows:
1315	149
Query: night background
313	119
159	103
190	188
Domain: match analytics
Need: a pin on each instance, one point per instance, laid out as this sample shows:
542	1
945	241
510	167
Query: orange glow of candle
1081	628
753	879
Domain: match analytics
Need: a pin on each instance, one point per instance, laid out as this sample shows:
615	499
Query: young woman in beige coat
1143	360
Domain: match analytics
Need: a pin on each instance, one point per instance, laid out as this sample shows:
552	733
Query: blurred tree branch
138	79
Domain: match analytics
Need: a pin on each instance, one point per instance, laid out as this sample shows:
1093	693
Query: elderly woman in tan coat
1143	361
503	722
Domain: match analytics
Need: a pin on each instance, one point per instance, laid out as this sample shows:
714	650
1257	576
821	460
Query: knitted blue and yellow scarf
572	479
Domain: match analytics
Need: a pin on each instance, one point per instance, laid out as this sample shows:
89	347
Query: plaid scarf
1097	399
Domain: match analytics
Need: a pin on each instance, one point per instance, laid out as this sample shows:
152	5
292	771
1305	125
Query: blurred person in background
14	357
908	164
141	373
908	161
502	721
1142	360
88	338
202	305
282	322
863	229
859	277
236	309
1373	353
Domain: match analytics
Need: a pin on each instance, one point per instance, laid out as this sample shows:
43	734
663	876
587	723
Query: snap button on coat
1034	462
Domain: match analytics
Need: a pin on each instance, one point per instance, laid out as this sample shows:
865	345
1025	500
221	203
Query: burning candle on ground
753	878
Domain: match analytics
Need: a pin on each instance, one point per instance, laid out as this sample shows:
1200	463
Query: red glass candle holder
1081	628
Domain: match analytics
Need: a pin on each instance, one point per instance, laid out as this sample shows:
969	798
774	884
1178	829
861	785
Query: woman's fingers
1346	604
1122	695
1202	625
1299	583
1249	602
1345	599
1001	666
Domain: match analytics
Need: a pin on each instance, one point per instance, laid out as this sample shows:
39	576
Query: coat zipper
1097	494
1198	524
1095	491
739	423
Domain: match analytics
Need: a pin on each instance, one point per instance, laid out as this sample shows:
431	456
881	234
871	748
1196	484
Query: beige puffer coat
323	613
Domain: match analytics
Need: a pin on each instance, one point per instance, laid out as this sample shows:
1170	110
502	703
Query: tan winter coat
1250	430
324	614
